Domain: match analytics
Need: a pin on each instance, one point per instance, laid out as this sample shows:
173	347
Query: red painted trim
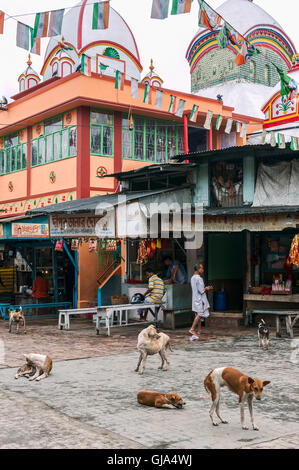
186	143
83	153
211	138
80	24
28	161
115	44
117	168
51	193
280	122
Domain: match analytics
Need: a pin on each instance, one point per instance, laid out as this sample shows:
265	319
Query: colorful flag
100	17
119	80
281	141
131	122
207	124
238	126
48	23
193	115
294	143
243	131
172	104
180	6
181	108
264	137
146	93
2	15
55	23
218	122
160	9
272	140
159	95
41	25
234	37
35	43
134	88
86	65
103	67
229	126
23	36
288	85
243	56
208	17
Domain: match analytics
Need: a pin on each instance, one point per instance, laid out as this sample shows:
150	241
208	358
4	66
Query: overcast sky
165	41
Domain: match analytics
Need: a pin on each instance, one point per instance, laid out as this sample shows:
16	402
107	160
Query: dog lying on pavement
151	342
16	316
237	382
146	397
37	367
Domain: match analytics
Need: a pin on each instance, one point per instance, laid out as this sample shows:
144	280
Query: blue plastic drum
220	301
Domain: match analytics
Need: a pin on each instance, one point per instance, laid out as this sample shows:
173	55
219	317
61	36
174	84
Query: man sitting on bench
154	293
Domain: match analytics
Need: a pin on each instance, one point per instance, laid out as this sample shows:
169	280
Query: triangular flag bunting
243	131
238	126
35	43
86	65
181	108
2	15
272	140
229	126
100	16
294	143
194	112
172	104
160	9
146	93
181	6
208	122
23	36
134	88
119	80
281	141
48	24
264	137
159	95
218	122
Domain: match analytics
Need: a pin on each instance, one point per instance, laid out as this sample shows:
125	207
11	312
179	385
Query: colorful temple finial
152	66
29	62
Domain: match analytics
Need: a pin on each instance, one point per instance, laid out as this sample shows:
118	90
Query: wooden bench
173	312
64	316
279	314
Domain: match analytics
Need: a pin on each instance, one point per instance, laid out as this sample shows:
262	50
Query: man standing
40	288
200	303
154	293
176	273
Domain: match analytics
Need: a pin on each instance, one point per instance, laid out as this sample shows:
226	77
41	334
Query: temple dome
78	33
29	78
152	78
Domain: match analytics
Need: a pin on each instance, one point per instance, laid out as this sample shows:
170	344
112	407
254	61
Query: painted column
117	144
211	138
248	180
186	143
83	152
28	191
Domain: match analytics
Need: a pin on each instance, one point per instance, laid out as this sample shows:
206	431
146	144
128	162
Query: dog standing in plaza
16	316
148	398
263	334
245	387
151	342
41	364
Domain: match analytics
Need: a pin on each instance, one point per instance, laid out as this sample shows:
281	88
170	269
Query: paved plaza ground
89	399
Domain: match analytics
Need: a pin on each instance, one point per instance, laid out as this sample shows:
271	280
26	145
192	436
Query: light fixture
3	104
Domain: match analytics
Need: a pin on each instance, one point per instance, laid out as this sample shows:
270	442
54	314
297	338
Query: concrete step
225	319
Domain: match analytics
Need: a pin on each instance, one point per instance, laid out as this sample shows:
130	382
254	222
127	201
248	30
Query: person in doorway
176	273
200	303
154	293
41	287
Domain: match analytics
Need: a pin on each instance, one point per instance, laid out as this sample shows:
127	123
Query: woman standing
200	303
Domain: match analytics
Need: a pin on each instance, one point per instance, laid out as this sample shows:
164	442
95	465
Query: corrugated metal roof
162	168
250	210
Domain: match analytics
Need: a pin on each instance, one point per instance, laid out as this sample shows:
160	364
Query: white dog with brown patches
16	316
237	382
41	364
151	342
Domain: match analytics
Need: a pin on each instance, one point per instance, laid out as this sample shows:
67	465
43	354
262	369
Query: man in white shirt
200	303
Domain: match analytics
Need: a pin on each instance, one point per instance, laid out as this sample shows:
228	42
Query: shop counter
270	302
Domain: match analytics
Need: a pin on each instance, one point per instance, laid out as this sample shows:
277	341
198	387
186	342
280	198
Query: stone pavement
92	402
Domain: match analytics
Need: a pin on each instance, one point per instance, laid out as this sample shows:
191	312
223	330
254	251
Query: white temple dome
77	31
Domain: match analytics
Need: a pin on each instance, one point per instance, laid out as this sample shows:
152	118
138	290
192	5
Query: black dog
263	334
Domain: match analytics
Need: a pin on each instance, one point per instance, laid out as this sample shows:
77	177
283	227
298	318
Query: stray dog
151	342
263	334
16	316
244	386
145	397
41	364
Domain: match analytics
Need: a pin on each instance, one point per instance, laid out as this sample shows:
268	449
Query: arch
66	69
111	52
22	84
32	82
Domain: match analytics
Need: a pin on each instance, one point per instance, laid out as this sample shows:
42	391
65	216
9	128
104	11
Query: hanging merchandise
59	245
288	266
134	88
86	65
142	257
153	246
165	244
148	248
229	126
294	251
2	15
159	95
208	122
172	104
194	112
159	244
180	109
181	6
160	9
119	80
218	122
92	247
48	24
75	244
100	17
111	245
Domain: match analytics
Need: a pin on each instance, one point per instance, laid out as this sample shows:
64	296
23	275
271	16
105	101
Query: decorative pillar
28	189
117	144
83	152
211	138
186	143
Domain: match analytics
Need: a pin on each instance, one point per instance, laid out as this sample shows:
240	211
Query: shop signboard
251	222
83	225
29	230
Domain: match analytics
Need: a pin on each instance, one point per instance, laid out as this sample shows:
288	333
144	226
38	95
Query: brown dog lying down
146	397
37	367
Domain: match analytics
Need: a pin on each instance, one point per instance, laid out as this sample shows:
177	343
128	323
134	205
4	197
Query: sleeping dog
263	334
37	367
16	316
145	397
